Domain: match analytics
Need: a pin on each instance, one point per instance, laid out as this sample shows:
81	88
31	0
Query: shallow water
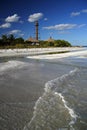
43	94
63	104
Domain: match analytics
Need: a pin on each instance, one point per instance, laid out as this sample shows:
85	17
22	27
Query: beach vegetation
61	43
10	41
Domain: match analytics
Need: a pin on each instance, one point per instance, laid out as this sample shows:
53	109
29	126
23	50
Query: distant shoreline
36	51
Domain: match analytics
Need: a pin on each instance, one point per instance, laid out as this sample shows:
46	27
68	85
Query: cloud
82	25
63	32
14	32
5	25
84	11
61	27
78	13
75	14
13	18
45	19
21	34
34	17
21	21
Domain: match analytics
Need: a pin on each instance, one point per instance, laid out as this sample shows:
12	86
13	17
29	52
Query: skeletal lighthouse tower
36	30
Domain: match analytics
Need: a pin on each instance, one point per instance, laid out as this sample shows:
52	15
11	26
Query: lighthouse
36	30
35	40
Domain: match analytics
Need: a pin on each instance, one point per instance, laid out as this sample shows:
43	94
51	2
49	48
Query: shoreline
36	51
22	83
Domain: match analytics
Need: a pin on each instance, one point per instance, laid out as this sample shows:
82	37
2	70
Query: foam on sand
52	111
34	51
78	53
11	65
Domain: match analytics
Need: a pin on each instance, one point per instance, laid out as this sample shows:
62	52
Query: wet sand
34	51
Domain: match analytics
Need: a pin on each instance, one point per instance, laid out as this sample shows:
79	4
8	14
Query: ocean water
39	94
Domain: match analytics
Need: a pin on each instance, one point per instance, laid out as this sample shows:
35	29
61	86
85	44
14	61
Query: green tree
50	43
1	43
19	40
43	43
11	39
61	43
4	40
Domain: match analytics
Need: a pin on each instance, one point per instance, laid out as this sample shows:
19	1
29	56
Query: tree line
9	41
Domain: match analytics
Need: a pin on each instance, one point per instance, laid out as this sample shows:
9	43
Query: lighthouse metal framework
35	40
36	30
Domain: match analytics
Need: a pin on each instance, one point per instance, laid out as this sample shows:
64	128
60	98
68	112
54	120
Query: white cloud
82	25
13	18
21	34
21	21
84	11
14	32
78	13
45	19
63	32
5	25
75	14
35	17
61	27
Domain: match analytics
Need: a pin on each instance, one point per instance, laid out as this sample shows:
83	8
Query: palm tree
4	40
11	39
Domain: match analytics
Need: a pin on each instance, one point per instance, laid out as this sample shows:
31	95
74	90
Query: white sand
76	52
34	51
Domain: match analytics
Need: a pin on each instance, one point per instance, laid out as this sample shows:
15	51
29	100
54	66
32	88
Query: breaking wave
52	111
11	65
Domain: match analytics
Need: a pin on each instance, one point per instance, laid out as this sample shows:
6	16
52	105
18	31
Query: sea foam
11	65
52	111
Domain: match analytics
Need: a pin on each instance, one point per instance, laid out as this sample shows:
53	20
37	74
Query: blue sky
61	19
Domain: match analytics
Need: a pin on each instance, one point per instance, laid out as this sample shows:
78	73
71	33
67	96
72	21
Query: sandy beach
71	53
35	51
